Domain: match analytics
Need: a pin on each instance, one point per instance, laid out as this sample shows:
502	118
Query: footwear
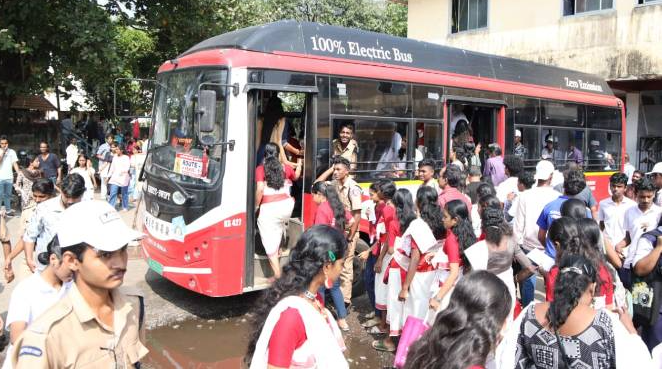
342	324
371	323
380	346
370	315
376	330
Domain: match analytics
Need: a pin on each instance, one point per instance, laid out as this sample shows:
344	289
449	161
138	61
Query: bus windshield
177	150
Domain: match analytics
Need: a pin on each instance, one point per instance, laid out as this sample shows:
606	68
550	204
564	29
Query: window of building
469	15
642	2
571	7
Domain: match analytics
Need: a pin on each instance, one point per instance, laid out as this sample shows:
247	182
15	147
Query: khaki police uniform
349	152
69	335
349	194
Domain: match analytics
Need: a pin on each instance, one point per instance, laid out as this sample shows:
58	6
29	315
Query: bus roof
308	38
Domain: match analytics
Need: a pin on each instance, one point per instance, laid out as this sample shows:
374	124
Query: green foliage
97	42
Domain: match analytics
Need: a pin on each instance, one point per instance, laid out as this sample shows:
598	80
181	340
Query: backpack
647	290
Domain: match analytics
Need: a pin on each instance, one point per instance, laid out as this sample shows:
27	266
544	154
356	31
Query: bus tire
358	269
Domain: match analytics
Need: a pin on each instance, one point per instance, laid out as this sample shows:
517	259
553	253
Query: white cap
595	143
517	133
543	170
549	139
657	169
95	223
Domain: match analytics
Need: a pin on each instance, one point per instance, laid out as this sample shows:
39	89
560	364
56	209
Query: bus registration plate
155	266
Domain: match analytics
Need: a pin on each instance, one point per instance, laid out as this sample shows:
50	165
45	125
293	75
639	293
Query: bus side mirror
207	99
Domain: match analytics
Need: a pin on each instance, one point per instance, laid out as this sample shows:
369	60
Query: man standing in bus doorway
519	149
494	167
345	145
349	193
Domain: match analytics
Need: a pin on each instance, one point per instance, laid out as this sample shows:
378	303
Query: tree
72	37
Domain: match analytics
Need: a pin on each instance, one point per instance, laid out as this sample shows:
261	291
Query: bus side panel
599	184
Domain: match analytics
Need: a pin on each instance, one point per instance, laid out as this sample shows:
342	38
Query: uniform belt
275	198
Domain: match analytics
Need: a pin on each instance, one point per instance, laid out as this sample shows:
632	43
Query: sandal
370	315
344	327
380	346
370	323
377	330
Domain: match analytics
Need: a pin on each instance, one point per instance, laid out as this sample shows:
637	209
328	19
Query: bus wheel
358	270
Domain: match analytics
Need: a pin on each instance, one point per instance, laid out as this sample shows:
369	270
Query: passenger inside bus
345	145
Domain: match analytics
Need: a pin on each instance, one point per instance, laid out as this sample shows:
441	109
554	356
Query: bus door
473	122
264	125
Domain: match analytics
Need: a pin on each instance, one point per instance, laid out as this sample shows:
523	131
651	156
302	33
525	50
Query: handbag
413	329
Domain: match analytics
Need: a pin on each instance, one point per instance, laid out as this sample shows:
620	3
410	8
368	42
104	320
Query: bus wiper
187	195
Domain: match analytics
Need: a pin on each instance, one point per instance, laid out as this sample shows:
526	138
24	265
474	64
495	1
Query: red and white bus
200	220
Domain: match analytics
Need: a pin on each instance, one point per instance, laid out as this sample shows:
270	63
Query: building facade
619	40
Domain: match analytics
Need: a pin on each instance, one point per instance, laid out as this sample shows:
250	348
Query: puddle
221	344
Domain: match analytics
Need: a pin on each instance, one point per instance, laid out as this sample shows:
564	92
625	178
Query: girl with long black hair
569	332
274	201
291	328
330	211
497	250
467	332
389	229
452	264
409	276
405	214
580	237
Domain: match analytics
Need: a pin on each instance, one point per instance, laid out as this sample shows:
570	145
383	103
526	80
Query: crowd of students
463	255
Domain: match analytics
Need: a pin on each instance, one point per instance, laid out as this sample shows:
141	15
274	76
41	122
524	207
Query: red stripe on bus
337	66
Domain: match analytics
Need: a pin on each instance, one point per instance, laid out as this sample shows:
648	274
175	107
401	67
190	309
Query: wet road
221	343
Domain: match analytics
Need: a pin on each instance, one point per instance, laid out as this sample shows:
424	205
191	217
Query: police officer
97	325
349	193
345	145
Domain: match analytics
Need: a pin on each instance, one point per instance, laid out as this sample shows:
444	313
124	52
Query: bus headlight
178	198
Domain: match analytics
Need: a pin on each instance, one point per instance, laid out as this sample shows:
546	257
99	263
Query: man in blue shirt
573	185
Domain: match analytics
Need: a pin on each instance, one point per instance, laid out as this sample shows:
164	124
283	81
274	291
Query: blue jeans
369	281
337	296
6	193
527	289
114	193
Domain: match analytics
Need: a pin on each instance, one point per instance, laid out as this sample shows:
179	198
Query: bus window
562	114
429	142
562	145
369	97
531	142
526	111
383	148
426	102
603	118
604	151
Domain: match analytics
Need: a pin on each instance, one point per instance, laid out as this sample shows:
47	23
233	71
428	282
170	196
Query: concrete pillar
632	102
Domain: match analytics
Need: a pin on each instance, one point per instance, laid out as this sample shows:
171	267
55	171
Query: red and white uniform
275	208
296	335
441	261
418	236
388	223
